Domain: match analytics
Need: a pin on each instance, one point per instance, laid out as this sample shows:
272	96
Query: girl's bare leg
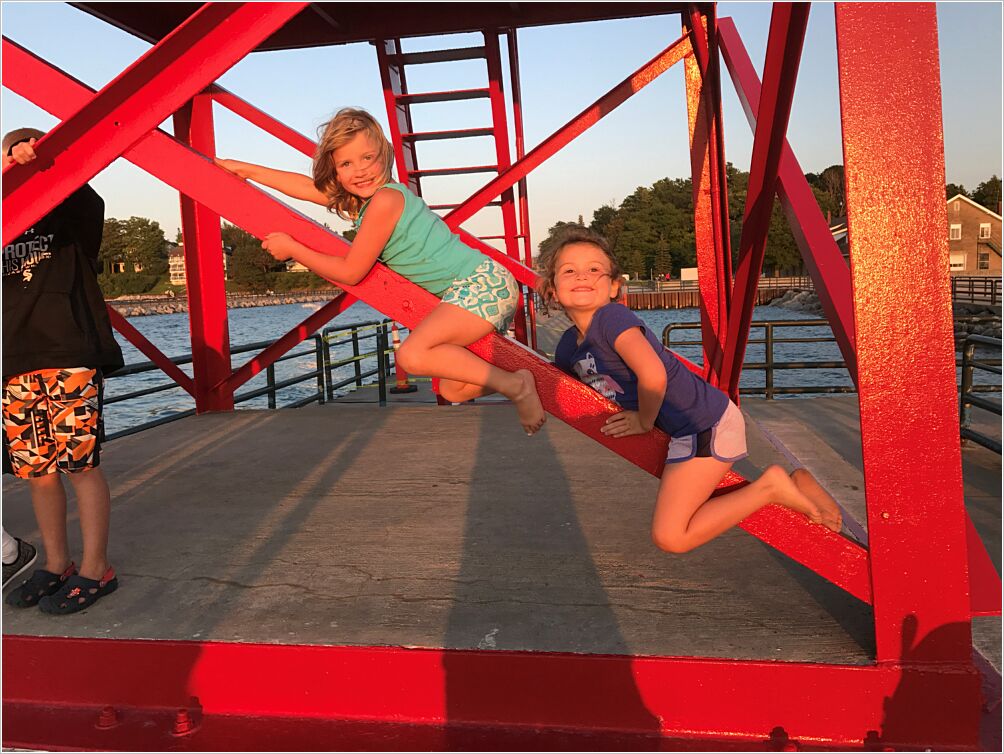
436	348
686	516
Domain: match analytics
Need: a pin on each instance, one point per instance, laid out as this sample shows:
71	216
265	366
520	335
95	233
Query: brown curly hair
550	249
336	133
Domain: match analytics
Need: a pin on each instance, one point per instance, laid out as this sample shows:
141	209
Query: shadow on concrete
544	592
917	713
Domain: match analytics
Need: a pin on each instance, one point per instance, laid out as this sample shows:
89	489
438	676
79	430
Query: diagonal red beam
151	351
575	127
780	69
263	120
212	40
830	274
290	340
831	556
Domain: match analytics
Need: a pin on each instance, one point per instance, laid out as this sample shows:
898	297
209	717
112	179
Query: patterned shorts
725	441
52	421
490	291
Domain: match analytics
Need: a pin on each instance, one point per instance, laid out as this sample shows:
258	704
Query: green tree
133	256
250	264
988	194
953	189
602	218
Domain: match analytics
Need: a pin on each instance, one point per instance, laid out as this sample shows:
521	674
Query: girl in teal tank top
352	177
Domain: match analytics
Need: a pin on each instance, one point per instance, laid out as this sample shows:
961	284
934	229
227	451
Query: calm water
169	332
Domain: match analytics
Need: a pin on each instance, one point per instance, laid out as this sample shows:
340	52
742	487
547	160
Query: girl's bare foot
784	492
807	484
527	402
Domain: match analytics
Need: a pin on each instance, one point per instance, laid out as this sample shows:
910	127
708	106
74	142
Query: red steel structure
924	570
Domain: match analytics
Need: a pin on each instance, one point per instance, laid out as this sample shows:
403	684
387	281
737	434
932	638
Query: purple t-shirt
690	406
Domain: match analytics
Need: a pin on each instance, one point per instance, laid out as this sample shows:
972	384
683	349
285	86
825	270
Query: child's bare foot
527	402
784	492
807	484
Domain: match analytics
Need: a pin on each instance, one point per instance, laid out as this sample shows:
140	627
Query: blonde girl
352	178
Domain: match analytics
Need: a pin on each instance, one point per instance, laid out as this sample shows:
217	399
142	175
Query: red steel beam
831	277
893	149
151	351
575	127
212	40
205	277
831	556
290	340
524	208
780	69
264	121
711	218
847	707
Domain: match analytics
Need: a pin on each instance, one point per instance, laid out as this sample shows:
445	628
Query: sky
563	70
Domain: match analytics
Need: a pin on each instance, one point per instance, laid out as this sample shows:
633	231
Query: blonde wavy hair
336	133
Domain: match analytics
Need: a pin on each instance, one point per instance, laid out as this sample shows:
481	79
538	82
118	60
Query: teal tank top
422	247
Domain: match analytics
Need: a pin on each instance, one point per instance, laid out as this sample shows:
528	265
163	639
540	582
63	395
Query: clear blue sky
564	68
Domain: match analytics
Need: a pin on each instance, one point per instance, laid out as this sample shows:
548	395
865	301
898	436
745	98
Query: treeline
652	230
134	260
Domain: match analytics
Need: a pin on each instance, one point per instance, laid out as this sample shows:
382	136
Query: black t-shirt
54	314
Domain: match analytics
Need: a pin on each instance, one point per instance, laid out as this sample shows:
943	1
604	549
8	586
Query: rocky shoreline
139	306
970	319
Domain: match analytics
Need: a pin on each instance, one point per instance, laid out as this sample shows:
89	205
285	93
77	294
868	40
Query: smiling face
582	278
359	166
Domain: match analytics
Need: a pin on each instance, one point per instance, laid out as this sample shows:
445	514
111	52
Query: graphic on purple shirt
690	405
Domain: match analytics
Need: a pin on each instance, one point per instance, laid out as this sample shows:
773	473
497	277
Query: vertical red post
524	209
890	107
711	215
398	113
207	297
496	95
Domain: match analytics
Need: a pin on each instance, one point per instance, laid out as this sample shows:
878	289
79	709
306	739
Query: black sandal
38	586
79	593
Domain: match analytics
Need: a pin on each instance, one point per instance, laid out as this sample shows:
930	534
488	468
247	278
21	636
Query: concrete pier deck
418	525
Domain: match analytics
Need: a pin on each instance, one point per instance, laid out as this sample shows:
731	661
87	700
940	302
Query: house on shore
974	238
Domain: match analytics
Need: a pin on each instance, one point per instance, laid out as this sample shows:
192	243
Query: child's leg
436	349
49	501
94	504
686	516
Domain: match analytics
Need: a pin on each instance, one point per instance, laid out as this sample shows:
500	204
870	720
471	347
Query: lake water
169	332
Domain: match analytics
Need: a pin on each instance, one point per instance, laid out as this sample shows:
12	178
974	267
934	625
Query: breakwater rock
138	306
970	319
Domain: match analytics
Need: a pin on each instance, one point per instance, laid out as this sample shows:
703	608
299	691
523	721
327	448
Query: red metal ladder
399	99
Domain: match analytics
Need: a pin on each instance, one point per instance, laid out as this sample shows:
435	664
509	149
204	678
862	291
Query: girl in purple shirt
612	351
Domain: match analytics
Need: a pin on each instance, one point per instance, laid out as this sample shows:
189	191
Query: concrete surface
416	525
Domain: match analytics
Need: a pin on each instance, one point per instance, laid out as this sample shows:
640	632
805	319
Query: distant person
612	351
57	345
352	177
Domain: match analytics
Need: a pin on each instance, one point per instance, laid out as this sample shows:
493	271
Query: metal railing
770	364
802	282
320	347
977	290
967	399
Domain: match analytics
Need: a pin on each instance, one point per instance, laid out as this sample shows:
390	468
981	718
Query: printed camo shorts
52	421
491	292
